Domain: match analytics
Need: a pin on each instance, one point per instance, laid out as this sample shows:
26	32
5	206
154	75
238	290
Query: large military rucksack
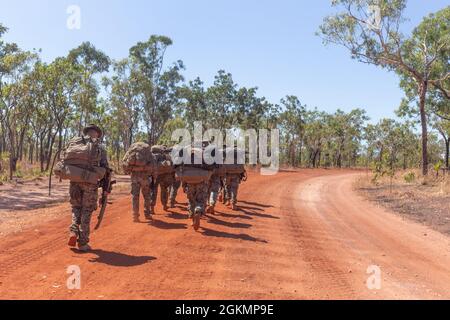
234	168
163	162
236	155
80	162
139	158
194	173
220	171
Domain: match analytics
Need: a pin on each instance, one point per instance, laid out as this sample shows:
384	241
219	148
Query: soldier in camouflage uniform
84	197
197	195
214	190
141	182
173	193
232	182
165	182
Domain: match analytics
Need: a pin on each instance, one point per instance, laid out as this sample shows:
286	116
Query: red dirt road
298	235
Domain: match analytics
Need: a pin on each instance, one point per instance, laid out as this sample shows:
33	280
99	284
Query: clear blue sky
268	44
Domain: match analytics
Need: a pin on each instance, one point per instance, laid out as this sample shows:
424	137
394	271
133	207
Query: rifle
106	184
51	173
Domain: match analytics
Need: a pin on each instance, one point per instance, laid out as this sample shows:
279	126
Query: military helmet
93	127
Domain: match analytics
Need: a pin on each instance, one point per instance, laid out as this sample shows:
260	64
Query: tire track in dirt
410	263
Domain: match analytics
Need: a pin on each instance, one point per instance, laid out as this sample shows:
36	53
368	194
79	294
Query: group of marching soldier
204	185
202	195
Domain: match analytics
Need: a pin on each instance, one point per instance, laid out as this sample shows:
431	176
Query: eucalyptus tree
251	111
443	127
89	63
292	125
421	60
221	101
158	85
125	100
193	106
15	64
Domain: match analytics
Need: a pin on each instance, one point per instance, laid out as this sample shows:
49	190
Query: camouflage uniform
174	191
214	189
84	199
165	181
197	195
140	183
232	182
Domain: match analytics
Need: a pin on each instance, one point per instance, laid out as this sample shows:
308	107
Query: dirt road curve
298	235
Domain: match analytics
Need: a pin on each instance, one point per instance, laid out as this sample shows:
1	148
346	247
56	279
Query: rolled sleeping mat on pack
220	171
192	175
158	149
150	169
78	174
235	155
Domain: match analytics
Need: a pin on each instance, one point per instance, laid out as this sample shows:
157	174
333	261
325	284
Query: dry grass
426	200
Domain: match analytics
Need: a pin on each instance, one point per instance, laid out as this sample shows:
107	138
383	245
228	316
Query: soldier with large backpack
165	175
195	180
84	162
215	185
140	164
173	193
235	174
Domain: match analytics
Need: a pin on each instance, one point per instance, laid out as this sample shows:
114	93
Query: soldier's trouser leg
83	198
214	191
197	195
76	221
90	200
232	186
75	200
191	193
146	193
85	227
154	193
226	191
164	194
135	192
234	192
174	191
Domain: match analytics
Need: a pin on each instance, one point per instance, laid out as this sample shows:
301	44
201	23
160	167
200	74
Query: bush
410	177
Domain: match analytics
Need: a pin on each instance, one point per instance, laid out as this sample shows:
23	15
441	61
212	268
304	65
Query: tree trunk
447	153
423	121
